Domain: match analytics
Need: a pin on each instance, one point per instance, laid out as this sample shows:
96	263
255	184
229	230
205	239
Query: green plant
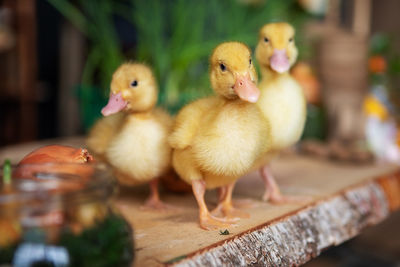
181	34
388	78
107	243
174	37
95	20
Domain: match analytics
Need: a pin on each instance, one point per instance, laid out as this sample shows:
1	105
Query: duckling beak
115	104
246	89
280	61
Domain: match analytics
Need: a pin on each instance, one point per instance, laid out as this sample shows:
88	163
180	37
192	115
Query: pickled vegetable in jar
60	214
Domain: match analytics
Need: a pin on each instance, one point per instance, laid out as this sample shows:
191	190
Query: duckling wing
231	141
140	149
102	133
188	121
164	118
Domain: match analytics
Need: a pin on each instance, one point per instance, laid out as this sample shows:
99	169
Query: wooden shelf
18	74
345	200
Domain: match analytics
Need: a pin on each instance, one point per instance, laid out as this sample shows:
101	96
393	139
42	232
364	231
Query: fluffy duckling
215	140
282	99
133	136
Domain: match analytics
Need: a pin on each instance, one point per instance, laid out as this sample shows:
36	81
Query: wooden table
345	200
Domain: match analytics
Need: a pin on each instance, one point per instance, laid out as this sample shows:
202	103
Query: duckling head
276	48
133	88
232	72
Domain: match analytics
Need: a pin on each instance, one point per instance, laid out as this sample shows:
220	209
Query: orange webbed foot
230	213
154	202
157	205
278	198
210	222
225	206
273	193
246	203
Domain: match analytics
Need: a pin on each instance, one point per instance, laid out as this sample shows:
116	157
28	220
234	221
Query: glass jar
60	214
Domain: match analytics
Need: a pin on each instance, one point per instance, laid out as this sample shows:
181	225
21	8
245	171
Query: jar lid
54	184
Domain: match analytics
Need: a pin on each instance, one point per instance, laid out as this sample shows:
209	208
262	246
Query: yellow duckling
133	135
215	140
282	99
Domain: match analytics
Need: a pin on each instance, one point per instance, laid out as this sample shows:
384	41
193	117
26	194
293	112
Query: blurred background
57	58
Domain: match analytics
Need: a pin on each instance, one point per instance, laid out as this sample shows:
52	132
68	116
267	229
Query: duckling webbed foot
210	222
229	212
154	202
273	193
225	207
281	199
246	203
206	220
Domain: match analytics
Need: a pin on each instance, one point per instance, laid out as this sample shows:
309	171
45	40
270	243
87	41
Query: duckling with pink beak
281	101
217	139
132	137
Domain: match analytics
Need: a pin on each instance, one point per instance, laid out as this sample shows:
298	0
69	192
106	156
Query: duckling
282	99
217	139
102	132
133	139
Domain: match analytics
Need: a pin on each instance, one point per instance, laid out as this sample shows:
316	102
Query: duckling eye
222	67
250	61
134	83
291	40
266	40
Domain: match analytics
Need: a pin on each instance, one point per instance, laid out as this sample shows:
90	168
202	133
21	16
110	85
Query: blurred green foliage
174	37
95	19
107	243
316	124
383	45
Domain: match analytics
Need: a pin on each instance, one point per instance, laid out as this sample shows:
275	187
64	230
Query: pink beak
246	89
115	104
279	61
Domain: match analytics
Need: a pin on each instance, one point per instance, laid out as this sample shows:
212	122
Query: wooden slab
345	199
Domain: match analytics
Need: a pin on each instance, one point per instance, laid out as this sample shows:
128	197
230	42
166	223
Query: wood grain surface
344	200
